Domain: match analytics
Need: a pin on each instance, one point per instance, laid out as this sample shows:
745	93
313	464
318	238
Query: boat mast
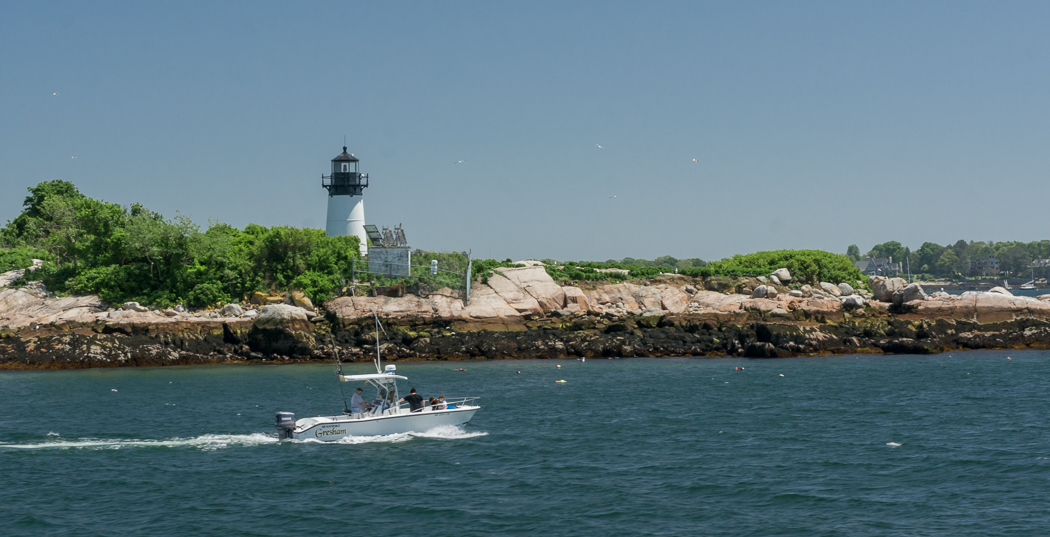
379	368
338	371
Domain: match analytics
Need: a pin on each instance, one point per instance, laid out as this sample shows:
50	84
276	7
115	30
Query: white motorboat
385	415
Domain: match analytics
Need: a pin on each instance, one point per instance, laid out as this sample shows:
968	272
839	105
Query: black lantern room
345	179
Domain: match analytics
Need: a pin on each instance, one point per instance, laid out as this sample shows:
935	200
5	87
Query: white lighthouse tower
346	202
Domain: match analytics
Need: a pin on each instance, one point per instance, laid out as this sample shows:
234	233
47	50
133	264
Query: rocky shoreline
522	313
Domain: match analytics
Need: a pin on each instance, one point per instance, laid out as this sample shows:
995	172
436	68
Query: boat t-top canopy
372	376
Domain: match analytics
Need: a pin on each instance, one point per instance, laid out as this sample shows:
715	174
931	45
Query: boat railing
404	408
462	401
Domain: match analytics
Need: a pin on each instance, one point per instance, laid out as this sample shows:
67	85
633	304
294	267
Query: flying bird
611	197
460	161
599	147
74	157
55	94
696	161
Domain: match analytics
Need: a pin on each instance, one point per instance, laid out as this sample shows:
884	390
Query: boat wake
211	442
444	432
207	442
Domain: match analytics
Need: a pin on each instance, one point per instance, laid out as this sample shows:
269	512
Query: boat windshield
386	391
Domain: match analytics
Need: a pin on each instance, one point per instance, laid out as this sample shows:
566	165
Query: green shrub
319	287
810	266
204	294
20	257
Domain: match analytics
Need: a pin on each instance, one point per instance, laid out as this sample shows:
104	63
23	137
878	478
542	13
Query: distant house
1041	268
878	266
985	265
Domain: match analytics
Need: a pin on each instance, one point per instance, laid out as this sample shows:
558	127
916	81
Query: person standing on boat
357	403
415	401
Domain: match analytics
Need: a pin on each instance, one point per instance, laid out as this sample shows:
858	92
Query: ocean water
855	445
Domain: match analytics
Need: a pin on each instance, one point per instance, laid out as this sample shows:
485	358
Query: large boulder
771	292
134	306
303	301
278	313
262	299
830	289
775	280
674	300
782	274
846	289
852	302
535	281
575	299
760	292
882	288
515	296
1001	291
907	294
229	310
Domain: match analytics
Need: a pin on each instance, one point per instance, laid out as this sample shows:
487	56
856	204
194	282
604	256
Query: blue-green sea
953	444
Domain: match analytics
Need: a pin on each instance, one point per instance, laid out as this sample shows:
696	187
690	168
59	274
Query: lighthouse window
346	167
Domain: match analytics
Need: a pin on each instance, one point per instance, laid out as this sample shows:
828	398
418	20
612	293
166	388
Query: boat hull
333	428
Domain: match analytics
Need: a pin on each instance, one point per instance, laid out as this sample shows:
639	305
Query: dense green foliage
131	253
806	266
595	271
483	268
19	257
972	259
665	262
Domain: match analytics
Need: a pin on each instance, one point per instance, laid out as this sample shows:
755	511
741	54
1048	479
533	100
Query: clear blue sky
815	124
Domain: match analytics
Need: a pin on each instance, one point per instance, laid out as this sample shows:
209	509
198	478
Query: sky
813	124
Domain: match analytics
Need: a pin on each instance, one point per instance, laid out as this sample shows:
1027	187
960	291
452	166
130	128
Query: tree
29	226
962	256
1014	259
666	261
892	249
928	255
853	252
62	228
1039	249
946	265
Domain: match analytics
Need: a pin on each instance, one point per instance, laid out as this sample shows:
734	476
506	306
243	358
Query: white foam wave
207	442
893	444
449	432
443	432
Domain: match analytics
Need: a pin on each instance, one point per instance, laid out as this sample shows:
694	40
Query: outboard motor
285	422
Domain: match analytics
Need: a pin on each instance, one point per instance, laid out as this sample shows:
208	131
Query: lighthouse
346	202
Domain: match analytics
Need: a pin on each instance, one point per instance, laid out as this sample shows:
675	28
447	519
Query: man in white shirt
358	404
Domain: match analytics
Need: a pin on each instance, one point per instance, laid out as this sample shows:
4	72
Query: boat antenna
338	371
379	326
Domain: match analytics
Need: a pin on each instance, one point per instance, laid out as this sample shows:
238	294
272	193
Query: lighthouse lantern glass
342	166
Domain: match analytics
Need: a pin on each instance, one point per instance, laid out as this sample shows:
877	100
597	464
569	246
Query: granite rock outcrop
523	313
